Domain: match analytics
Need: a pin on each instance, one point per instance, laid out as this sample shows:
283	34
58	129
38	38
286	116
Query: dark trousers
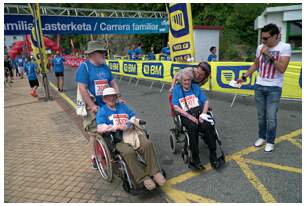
193	130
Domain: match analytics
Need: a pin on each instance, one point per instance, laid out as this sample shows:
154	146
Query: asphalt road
238	130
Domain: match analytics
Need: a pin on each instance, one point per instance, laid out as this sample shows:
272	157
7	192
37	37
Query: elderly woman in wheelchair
193	115
127	143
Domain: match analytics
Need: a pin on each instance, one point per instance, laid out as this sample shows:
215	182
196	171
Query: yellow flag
37	40
181	41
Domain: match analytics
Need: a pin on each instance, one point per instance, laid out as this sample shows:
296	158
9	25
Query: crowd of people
137	53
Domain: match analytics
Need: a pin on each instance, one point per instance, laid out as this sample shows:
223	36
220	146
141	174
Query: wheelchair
109	160
179	136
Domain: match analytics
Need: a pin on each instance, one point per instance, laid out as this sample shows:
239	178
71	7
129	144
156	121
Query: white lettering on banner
114	27
100	85
19	25
119	119
191	101
147	26
67	27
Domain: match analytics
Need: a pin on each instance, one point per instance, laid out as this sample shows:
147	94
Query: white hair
186	72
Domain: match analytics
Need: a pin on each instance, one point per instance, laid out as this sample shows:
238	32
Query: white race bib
119	119
100	85
191	100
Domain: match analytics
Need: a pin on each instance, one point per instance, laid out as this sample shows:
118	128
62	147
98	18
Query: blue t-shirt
139	52
194	97
97	78
120	115
58	64
212	58
132	54
20	61
166	50
30	70
151	56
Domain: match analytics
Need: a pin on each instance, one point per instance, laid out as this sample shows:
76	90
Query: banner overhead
22	24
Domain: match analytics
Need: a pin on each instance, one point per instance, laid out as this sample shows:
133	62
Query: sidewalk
46	156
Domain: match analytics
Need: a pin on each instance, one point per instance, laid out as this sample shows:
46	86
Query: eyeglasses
266	38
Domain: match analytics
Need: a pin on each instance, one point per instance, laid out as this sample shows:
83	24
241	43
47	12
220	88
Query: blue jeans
267	103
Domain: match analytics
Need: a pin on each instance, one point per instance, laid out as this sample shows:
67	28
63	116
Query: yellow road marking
68	100
185	197
295	142
272	165
265	194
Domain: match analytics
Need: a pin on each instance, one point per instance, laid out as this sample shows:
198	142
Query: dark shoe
94	163
214	160
195	166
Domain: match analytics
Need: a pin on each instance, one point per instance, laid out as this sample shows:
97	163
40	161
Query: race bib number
191	101
119	119
100	85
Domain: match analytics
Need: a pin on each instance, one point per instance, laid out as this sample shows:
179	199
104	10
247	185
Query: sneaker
32	94
259	142
94	163
269	147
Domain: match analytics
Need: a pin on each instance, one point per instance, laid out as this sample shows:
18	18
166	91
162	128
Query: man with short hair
213	56
272	59
58	68
93	76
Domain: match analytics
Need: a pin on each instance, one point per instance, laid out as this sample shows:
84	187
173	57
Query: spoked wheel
103	160
173	143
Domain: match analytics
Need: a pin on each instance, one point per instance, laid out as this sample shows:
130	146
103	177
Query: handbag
80	104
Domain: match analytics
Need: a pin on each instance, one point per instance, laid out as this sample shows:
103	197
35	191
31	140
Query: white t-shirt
268	75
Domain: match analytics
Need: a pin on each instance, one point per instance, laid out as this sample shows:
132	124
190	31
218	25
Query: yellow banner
181	41
37	40
221	74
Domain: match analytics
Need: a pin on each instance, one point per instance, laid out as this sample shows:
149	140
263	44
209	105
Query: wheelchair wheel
173	143
103	160
186	152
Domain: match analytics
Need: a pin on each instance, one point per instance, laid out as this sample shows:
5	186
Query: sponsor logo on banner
179	20
155	70
114	66
130	68
227	73
181	32
176	67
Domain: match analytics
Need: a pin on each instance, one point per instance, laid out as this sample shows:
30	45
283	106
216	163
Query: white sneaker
269	147
259	142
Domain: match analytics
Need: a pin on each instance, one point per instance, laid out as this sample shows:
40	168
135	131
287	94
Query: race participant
113	117
58	68
30	69
192	105
20	62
